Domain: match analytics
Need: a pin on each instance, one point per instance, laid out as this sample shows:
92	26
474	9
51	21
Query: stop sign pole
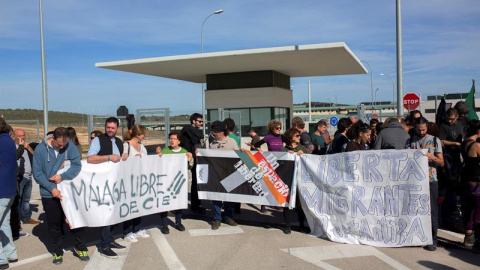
411	101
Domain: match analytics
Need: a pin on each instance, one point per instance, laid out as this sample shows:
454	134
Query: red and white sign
374	115
411	101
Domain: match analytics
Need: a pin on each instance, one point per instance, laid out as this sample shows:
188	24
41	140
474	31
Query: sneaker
117	245
469	240
430	247
57	259
31	222
287	230
82	254
109	253
131	237
142	234
12	260
4	266
231	222
180	227
216	224
23	234
164	229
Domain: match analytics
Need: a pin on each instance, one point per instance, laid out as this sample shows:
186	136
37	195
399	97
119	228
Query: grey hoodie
392	137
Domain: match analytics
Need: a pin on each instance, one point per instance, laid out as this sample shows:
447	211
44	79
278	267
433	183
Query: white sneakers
142	234
133	237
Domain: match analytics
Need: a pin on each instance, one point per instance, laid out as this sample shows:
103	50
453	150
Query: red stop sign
411	101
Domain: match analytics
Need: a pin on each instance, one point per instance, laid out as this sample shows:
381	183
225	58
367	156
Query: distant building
327	110
428	108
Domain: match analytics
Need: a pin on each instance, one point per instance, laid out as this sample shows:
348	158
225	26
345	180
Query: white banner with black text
110	193
377	198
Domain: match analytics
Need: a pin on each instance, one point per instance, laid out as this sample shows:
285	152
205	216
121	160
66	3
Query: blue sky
441	47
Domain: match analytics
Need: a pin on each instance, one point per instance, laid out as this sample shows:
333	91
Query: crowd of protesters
453	152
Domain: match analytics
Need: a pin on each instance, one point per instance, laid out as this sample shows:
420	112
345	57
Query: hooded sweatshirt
392	137
45	165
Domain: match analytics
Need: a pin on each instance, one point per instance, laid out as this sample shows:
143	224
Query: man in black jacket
192	139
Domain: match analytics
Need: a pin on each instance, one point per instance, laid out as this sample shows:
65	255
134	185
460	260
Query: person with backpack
422	140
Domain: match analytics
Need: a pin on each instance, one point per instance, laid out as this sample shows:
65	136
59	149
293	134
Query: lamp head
381	74
218	11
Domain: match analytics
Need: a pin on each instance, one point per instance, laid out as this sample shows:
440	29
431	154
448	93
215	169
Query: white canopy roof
296	61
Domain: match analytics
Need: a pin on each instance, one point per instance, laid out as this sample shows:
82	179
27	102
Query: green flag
470	100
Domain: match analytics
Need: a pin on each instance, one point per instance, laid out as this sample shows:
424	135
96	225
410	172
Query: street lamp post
399	58
330	99
393	90
203	90
44	76
371	78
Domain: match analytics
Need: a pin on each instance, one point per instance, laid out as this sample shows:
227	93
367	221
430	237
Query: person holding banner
222	142
105	148
133	147
174	139
433	145
192	139
274	141
292	145
55	160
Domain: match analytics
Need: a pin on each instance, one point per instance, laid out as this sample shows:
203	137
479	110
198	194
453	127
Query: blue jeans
24	212
7	247
217	210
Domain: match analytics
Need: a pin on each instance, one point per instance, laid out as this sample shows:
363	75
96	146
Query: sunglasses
278	128
297	135
200	121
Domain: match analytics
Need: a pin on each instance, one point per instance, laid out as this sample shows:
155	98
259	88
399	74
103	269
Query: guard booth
254	82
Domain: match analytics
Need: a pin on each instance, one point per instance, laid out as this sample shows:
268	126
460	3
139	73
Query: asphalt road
256	243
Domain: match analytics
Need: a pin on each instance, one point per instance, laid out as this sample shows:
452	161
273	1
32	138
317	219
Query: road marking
168	254
31	260
221	231
98	261
318	255
458	235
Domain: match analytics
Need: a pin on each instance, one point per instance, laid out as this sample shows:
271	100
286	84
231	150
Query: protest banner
110	193
377	198
264	178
